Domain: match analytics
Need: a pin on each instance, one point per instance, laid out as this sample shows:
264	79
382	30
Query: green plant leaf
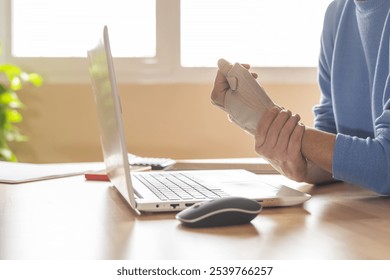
7	155
35	79
3	121
9	105
11	100
16	83
13	116
11	71
13	135
17	77
3	89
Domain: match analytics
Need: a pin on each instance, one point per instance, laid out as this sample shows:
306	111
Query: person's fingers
276	128
220	78
295	143
264	124
286	132
218	93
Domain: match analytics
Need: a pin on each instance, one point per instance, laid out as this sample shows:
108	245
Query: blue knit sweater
355	84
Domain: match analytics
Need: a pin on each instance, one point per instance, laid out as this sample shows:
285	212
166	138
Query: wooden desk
71	218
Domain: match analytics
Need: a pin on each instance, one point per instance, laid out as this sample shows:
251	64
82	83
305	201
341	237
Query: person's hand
279	140
221	86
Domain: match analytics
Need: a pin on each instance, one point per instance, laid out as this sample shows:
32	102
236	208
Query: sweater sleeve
324	116
365	161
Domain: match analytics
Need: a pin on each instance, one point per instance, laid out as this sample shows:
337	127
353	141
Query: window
164	40
44	28
265	33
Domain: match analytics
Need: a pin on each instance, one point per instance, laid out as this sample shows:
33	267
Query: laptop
163	191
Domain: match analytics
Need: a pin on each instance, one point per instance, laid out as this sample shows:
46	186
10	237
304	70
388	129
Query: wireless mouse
225	211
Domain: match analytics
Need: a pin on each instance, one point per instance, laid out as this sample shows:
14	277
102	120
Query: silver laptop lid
101	70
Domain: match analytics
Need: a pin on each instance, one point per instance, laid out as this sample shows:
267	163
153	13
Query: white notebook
15	172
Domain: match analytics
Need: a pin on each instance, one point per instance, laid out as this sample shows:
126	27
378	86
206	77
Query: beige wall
173	120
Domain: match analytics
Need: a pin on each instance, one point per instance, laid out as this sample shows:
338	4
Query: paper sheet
13	173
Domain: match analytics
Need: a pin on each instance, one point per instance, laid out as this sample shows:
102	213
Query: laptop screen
101	70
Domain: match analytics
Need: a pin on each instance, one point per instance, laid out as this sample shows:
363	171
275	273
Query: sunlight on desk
71	218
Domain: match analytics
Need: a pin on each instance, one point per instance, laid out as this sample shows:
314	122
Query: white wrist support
246	100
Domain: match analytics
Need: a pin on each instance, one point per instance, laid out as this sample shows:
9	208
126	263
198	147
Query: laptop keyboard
177	186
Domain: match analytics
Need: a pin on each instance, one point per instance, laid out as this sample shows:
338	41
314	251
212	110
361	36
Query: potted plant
12	79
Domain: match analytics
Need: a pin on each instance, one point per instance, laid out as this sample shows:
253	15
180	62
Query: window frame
164	68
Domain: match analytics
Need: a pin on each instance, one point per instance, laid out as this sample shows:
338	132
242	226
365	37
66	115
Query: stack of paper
14	172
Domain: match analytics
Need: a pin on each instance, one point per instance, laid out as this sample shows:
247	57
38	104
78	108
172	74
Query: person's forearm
317	175
317	148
